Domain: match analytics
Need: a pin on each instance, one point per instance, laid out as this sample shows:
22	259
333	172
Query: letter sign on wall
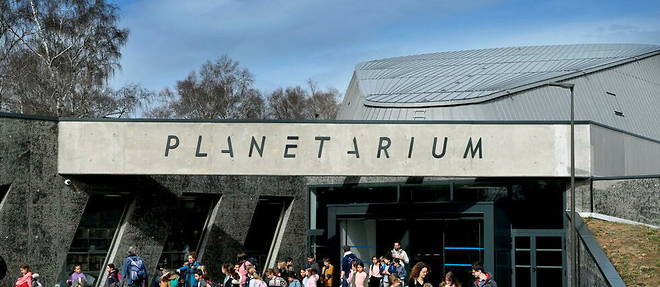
341	149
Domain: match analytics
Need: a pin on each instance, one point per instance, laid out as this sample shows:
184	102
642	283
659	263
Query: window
187	230
268	215
94	236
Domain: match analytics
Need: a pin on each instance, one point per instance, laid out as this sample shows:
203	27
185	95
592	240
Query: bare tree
219	90
296	103
56	57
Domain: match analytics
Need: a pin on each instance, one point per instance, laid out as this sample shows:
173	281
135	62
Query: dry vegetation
634	250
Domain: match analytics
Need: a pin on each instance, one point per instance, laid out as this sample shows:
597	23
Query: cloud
284	42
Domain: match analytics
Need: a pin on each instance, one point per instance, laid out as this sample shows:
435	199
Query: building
461	156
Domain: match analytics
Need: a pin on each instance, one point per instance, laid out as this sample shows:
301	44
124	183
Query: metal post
573	228
573	213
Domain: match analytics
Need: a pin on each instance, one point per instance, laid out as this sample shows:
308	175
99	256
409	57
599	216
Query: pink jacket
311	280
242	270
25	280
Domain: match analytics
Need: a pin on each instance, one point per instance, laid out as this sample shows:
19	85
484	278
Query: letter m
473	149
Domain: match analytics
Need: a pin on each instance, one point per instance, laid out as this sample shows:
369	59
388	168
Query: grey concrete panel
40	215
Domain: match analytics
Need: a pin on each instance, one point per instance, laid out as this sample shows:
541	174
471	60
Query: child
400	271
312	277
360	278
293	280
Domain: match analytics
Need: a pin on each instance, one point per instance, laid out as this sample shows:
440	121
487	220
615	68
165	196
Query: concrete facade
40	213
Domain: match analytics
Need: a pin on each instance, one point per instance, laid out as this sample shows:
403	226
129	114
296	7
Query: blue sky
285	42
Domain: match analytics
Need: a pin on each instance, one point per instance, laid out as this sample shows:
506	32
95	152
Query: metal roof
472	76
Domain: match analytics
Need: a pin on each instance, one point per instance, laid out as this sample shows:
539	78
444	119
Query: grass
633	250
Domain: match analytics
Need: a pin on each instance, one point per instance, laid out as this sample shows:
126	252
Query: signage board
337	149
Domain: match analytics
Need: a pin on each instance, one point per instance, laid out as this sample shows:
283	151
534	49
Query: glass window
94	235
187	230
267	216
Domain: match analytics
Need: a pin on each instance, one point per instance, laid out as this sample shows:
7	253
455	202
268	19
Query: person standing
133	271
326	273
387	269
346	262
26	277
484	279
312	278
311	263
113	276
189	270
400	271
274	280
77	278
419	274
399	253
360	278
199	279
232	279
450	280
374	272
293	279
244	264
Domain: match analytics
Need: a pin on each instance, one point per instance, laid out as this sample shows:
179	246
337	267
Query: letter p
172	143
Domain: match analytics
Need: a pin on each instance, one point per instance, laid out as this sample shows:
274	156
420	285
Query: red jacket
25	280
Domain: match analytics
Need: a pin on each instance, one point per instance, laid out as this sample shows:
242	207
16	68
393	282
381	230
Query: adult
133	270
112	280
450	280
26	277
274	280
189	269
419	274
484	279
199	279
346	262
326	273
311	263
77	278
374	272
399	253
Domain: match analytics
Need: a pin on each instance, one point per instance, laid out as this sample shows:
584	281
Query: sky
286	42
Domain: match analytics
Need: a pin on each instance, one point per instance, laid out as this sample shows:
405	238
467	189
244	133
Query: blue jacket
126	268
346	263
188	274
295	283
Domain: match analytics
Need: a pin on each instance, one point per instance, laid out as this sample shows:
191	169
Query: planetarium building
462	157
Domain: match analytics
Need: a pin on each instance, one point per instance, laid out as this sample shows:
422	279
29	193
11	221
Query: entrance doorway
538	258
446	243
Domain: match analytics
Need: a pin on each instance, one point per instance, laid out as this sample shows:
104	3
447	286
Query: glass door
538	258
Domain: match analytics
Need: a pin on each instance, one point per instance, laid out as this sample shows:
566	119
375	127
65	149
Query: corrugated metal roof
472	76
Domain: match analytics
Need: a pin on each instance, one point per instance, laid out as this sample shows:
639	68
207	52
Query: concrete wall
40	214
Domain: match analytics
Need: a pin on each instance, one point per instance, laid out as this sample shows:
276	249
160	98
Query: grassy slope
634	250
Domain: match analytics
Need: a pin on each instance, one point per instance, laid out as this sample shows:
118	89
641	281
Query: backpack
136	269
35	282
